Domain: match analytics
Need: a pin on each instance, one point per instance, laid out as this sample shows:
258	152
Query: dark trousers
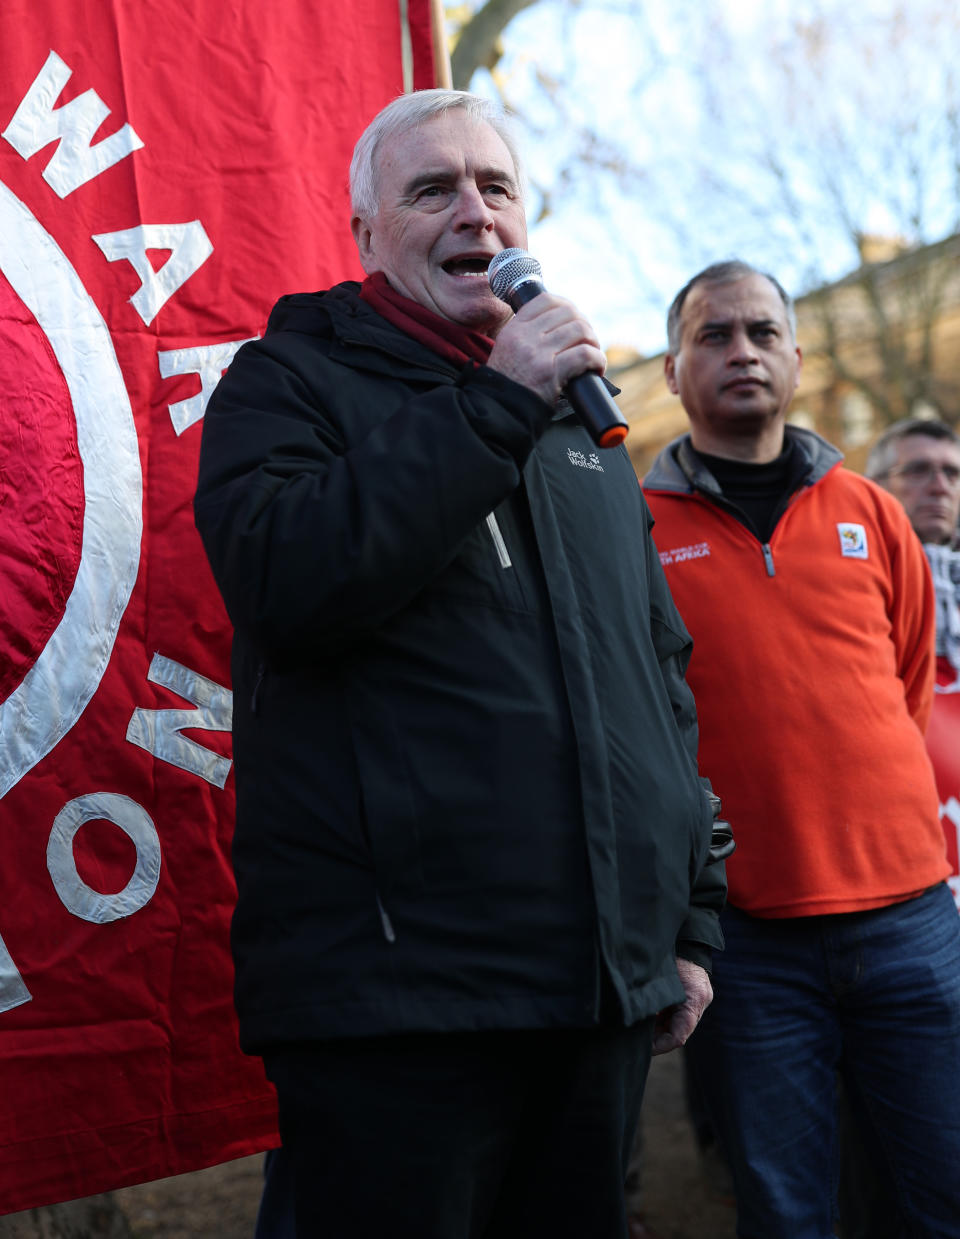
497	1135
873	996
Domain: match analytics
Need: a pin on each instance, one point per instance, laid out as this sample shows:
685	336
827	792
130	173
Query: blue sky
696	94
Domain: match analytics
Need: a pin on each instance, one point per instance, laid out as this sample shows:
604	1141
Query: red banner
167	170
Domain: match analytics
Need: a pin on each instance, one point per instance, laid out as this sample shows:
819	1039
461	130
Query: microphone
516	278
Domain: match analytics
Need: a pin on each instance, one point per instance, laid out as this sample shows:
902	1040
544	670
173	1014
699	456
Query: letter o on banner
79	898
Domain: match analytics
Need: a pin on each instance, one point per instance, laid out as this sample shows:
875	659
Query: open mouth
467	267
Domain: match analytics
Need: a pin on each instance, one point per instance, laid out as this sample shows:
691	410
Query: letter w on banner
167	171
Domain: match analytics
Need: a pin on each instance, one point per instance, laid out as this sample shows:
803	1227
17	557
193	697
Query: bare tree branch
792	140
476	45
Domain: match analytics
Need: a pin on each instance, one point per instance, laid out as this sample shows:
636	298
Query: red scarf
455	343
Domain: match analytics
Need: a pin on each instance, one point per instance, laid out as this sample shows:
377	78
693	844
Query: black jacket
465	752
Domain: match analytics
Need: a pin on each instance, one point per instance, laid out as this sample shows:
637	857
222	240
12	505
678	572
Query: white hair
407	112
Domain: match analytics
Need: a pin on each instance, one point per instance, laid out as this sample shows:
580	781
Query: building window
856	419
924	409
801	418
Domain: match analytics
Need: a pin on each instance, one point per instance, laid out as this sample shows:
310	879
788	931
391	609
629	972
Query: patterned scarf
945	566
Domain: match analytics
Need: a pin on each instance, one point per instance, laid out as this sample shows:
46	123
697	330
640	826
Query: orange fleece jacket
813	688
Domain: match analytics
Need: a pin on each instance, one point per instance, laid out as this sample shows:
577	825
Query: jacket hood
678	469
325	313
355	331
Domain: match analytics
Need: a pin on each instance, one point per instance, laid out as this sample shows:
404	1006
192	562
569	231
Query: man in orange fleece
812	612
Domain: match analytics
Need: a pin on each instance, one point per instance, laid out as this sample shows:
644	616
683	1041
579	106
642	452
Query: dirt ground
679	1200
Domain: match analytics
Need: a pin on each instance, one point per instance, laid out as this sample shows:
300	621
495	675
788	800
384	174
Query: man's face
737	366
926	480
449	200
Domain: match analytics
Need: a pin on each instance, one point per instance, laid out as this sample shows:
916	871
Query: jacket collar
357	333
677	467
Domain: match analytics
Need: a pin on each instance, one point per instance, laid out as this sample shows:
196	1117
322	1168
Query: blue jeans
872	995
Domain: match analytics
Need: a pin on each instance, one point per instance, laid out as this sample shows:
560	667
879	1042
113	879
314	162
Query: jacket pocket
488	567
388	819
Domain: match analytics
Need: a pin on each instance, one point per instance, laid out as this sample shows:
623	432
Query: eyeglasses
919	472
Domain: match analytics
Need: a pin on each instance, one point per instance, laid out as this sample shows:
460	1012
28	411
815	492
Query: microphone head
511	268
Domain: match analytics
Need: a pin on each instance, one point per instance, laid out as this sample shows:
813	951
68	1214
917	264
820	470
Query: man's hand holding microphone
551	348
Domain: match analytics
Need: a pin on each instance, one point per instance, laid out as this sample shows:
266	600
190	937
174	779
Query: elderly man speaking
473	853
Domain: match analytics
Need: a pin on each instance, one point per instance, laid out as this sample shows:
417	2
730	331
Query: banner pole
441	52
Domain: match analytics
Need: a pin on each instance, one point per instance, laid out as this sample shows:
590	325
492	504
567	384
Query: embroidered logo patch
583	461
853	540
677	554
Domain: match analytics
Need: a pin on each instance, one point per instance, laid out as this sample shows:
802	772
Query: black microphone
516	278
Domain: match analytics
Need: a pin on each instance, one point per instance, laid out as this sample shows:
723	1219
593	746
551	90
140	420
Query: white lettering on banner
206	360
680	553
190	248
37	122
951	811
159	731
57	688
13	992
66	674
75	895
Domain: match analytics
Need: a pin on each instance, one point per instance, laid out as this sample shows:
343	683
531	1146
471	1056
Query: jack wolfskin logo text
853	540
677	554
583	461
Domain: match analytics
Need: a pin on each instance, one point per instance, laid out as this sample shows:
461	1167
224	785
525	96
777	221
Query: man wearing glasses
918	460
